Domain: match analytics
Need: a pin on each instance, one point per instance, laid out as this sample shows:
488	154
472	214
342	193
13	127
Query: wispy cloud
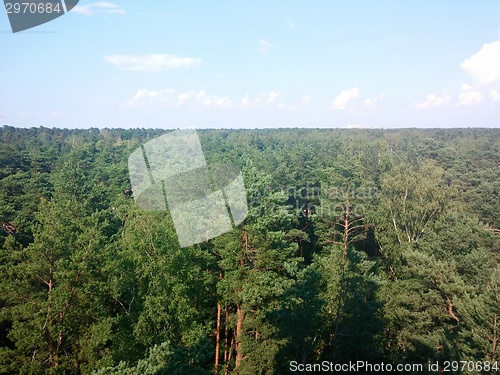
494	95
469	96
145	97
183	98
296	106
98	7
262	100
264	46
466	96
289	22
209	101
374	103
344	101
432	101
169	98
341	102
151	63
200	99
306	100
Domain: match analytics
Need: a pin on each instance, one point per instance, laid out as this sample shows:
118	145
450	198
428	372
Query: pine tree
257	261
56	285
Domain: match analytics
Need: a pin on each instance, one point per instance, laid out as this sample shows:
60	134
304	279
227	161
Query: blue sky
255	64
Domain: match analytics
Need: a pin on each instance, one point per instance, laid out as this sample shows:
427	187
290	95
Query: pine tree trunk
217	332
239	311
226	335
217	336
346	227
239	333
229	356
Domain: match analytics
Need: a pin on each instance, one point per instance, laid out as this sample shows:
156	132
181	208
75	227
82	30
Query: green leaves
397	263
412	199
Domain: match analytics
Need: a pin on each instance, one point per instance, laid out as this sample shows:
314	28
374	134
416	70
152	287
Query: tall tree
56	285
258	262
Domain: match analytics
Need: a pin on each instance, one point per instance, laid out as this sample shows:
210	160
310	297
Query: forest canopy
371	245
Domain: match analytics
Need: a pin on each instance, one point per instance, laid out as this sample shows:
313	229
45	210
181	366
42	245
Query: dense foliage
372	245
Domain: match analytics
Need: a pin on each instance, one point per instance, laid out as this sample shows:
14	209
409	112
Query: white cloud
156	62
484	66
264	46
197	99
469	96
341	102
374	103
344	101
183	98
262	100
168	98
293	107
213	101
145	96
246	102
271	97
306	100
494	95
432	101
99	7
